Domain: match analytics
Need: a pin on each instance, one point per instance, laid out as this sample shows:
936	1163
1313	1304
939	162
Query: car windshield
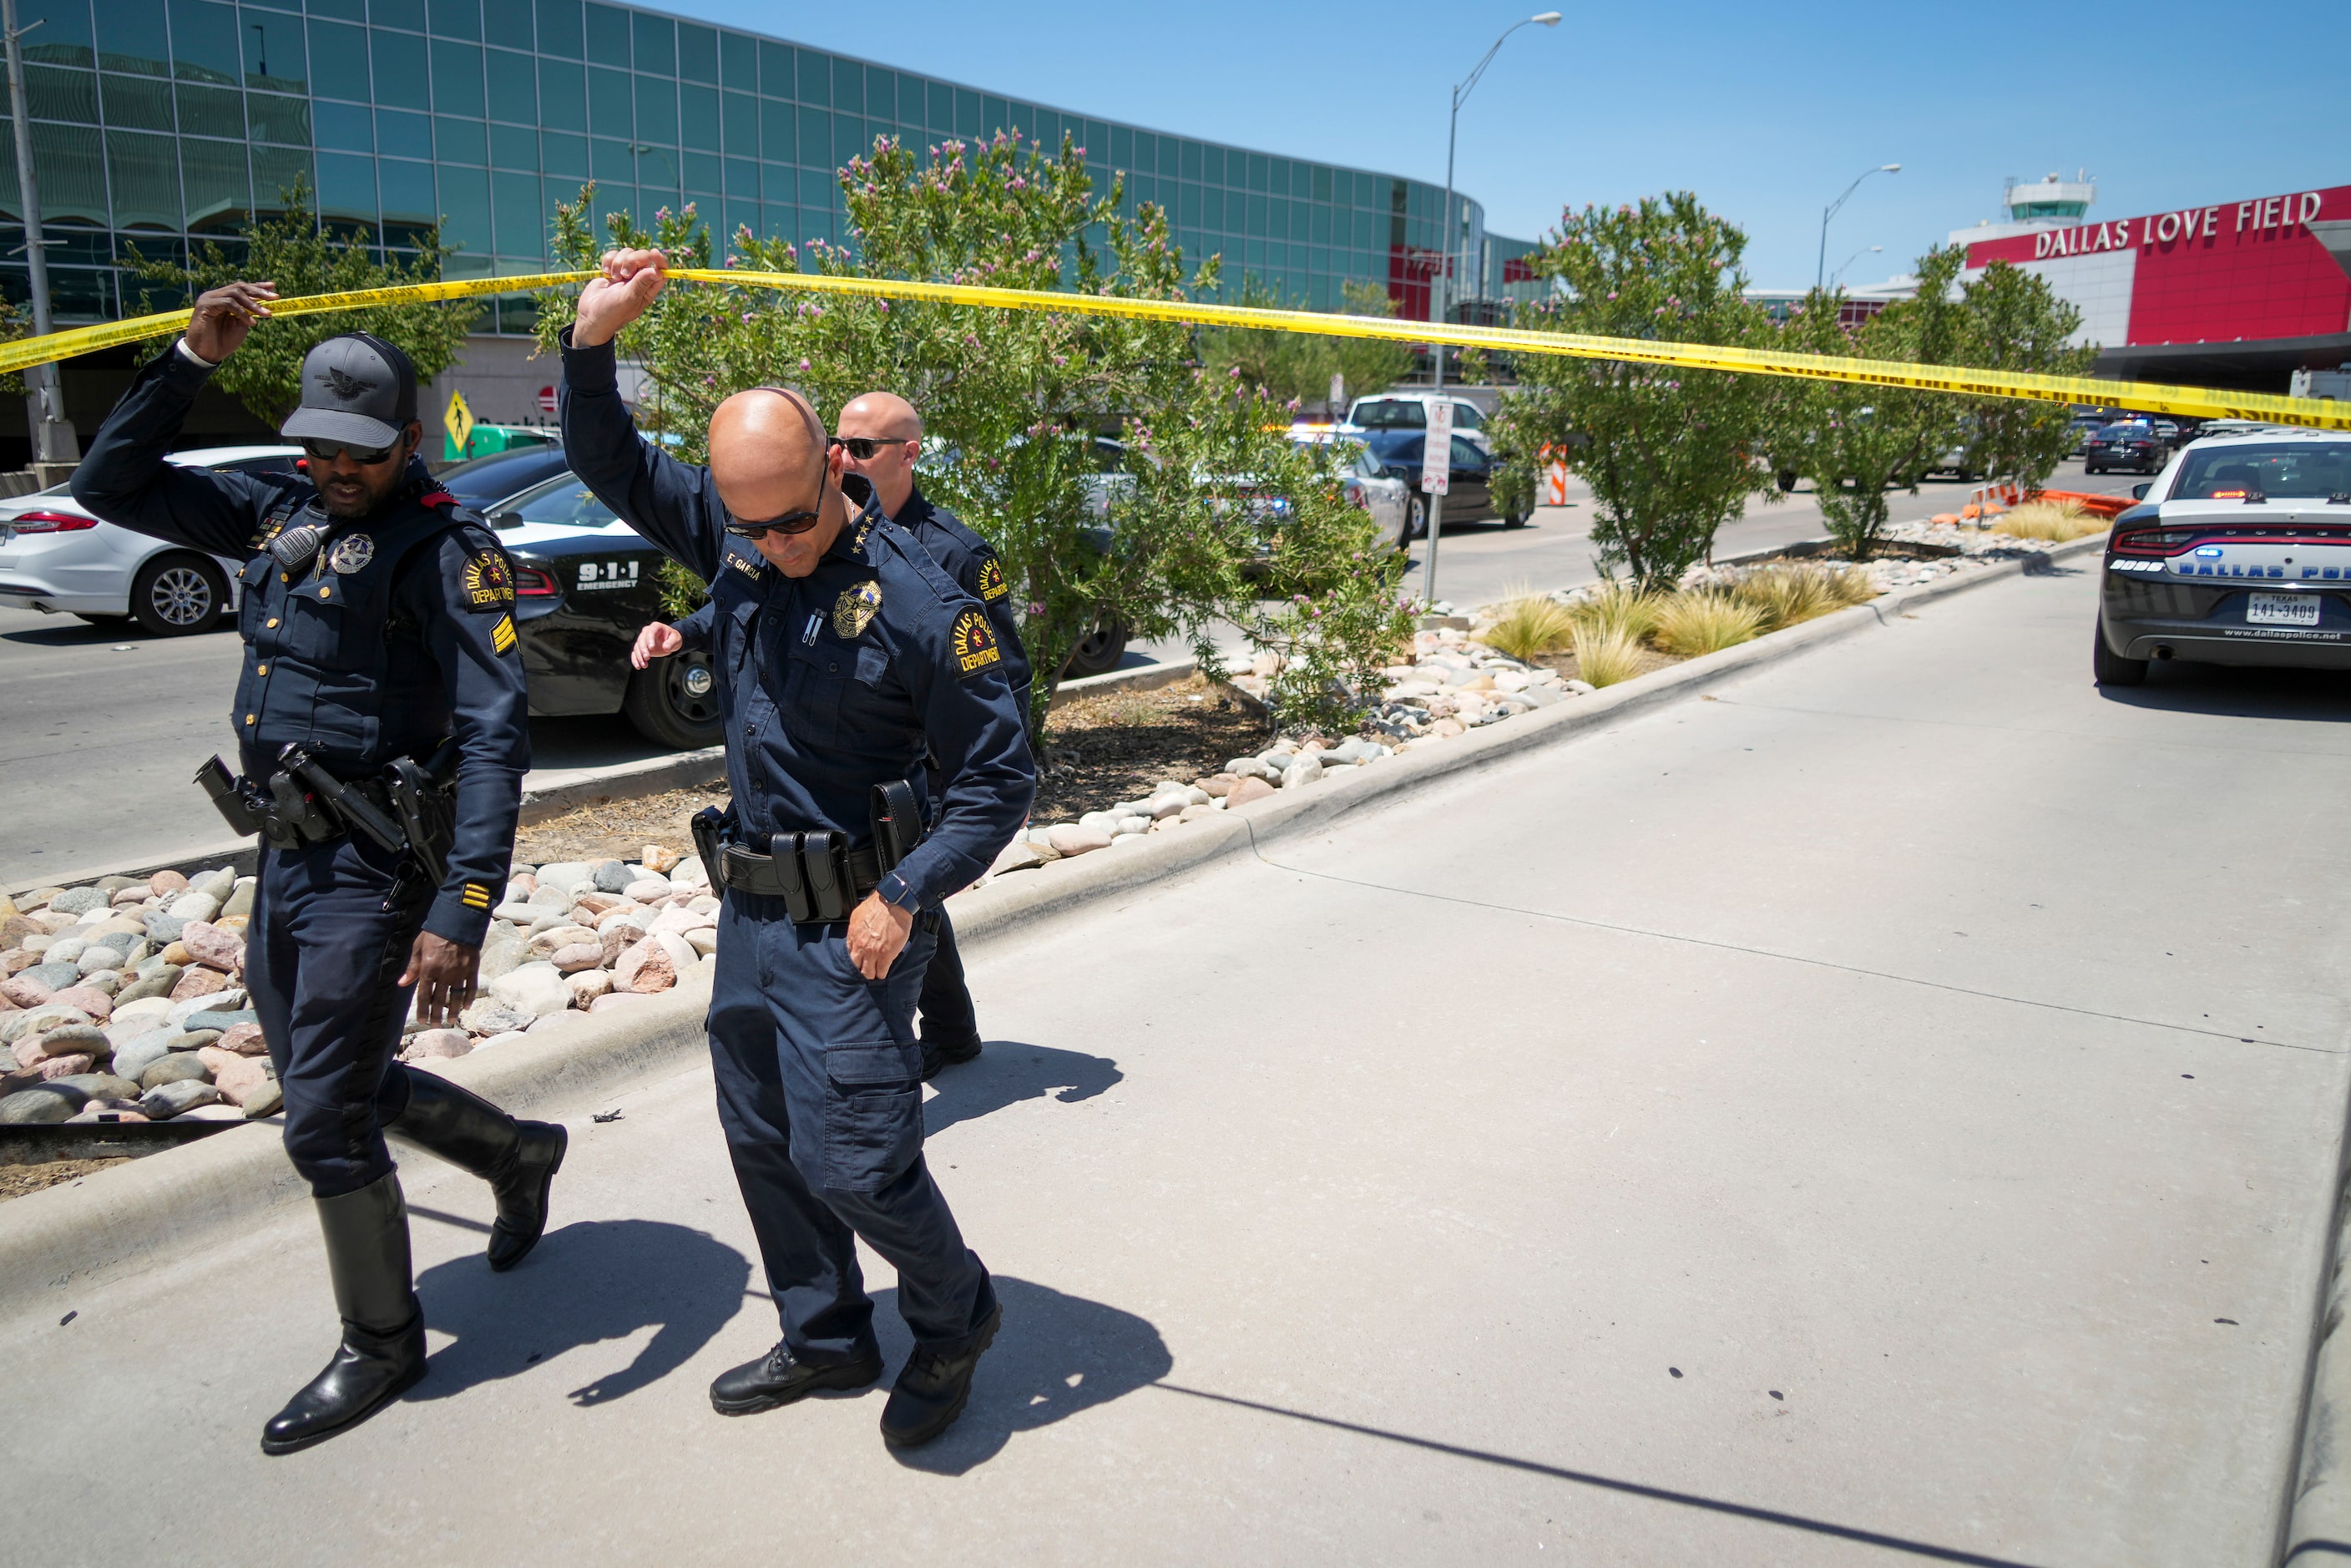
2314	469
1465	416
483	480
563	502
1392	413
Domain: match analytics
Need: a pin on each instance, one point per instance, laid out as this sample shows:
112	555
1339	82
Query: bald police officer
380	660
844	657
881	436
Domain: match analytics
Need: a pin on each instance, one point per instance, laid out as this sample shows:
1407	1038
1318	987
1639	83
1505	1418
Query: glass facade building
156	123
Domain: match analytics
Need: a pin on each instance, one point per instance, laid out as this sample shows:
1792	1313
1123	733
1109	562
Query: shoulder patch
489	585
992	586
973	642
502	635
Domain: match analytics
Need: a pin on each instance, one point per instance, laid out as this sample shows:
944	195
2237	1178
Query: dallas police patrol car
2239	554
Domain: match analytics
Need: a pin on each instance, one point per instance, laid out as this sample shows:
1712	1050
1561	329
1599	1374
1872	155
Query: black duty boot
941	1049
779	1377
931	1389
518	1159
382	1353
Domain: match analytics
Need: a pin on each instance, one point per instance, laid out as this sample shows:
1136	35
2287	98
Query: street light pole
1838	276
53	441
1437	286
1820	273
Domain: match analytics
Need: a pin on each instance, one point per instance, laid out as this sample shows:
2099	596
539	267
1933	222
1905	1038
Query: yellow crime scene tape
2150	397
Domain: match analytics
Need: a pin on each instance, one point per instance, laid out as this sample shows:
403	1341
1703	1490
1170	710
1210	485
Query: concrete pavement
1852	1120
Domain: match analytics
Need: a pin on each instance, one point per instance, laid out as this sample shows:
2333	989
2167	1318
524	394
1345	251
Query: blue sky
1764	112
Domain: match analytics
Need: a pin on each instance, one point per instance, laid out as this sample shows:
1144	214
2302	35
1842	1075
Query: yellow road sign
459	422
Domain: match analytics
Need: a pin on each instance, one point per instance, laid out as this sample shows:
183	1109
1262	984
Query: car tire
178	593
1099	651
1416	516
2092	468
1518	521
2109	668
674	702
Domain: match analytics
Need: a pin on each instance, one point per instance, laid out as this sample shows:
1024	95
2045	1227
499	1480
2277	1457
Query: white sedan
1365	482
54	557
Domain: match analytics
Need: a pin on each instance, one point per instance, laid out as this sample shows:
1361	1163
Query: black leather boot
518	1159
932	1387
779	1377
382	1353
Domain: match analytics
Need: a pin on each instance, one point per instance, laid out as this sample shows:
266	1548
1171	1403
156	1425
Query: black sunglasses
325	451
864	447
793	522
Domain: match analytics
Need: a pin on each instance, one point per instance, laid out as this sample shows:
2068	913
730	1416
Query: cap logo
346	385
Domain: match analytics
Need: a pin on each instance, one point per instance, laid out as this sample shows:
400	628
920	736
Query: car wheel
1416	516
178	593
674	702
1517	520
2109	668
1099	651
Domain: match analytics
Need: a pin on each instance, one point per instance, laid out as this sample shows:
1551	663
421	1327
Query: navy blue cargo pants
331	932
819	1094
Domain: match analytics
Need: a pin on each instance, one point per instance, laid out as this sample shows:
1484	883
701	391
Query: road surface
1856	1120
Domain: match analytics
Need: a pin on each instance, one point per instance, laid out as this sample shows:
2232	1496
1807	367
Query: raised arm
124	479
673	504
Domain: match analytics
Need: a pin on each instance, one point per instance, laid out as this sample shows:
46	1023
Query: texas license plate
2281	610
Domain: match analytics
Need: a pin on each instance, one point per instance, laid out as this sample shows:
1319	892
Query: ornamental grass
1706	621
2055	521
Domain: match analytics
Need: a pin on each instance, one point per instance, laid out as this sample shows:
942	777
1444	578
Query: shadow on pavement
599	1279
1007	1072
2236	691
1925	1549
1055	1357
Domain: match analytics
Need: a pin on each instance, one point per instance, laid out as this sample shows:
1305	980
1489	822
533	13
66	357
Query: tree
1012	401
1671	455
1297	367
290	250
2012	321
1854	441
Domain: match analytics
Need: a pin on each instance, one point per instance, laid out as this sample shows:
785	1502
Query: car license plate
2281	610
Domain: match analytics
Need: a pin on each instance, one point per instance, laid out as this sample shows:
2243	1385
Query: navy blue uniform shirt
832	683
399	634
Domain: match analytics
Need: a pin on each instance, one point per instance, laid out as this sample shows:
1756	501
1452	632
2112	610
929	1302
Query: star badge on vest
854	609
352	553
489	585
973	641
992	586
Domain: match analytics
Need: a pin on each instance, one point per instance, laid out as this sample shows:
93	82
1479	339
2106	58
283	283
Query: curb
121	1220
2314	1517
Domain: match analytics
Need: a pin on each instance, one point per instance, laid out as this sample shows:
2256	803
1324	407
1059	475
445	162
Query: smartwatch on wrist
894	889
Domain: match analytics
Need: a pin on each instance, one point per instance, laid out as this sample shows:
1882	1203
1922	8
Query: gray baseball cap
357	389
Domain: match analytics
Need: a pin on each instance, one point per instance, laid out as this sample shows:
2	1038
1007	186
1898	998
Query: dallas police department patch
352	553
973	641
992	586
854	609
489	585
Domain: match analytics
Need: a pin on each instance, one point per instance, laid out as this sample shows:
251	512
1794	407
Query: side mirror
502	521
2138	492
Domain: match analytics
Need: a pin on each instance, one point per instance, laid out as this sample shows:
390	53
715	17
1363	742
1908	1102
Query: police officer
377	623
844	656
882	435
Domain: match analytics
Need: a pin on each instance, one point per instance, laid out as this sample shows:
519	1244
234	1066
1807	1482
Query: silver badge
352	553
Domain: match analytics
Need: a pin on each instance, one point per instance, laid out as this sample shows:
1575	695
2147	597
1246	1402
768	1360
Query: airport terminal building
159	123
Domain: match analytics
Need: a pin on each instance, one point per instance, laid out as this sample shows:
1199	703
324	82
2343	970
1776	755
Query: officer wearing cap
380	660
844	657
881	436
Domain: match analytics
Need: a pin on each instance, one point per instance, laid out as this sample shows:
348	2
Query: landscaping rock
505	948
1195	814
575	956
536	989
618	936
192	907
214	946
46	1103
244	1040
659	859
682	955
265	1101
156	987
645	968
611	876
88	998
243	1077
437	1045
1018	855
587	984
702	939
1305	771
562	877
71	1039
1253	788
173	1067
27	990
490	1016
239	902
171	1100
196	982
133	1060
602	1004
100	1086
646	889
543	943
56	1067
680	919
1076	839
77	901
220	998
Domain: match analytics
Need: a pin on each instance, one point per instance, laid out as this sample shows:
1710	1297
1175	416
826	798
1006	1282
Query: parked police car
2239	554
585	584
